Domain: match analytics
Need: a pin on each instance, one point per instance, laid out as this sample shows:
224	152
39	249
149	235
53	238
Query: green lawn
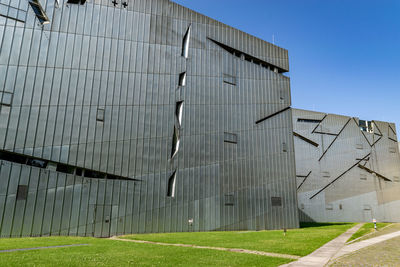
366	229
298	242
105	252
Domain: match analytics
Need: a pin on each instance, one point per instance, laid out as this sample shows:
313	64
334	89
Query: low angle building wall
348	170
140	116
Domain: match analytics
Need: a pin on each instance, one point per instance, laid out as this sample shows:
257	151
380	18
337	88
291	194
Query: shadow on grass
315	224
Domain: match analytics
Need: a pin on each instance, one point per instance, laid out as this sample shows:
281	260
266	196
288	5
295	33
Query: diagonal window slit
248	57
39	12
171	185
175	143
182	79
179	112
186	43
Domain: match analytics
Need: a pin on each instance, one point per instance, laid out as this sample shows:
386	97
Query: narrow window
7	156
37	8
171	185
308	120
37	163
22	192
65	169
100	114
185	43
329	207
179	112
182	79
175	143
76	2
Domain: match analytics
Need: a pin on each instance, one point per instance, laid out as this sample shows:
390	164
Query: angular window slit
40	14
22	192
179	112
247	57
171	185
11	157
65	169
186	43
37	163
175	143
182	79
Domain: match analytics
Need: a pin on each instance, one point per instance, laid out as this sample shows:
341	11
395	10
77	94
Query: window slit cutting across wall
39	12
186	43
179	112
171	185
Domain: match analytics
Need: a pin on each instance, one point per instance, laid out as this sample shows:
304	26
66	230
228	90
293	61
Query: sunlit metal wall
140	116
347	169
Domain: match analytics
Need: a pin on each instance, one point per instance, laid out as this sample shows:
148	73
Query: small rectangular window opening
229	79
100	115
39	12
171	185
6	99
182	79
175	142
179	112
22	192
230	138
186	43
229	200
276	201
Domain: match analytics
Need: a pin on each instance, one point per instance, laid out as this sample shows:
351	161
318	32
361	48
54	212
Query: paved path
238	250
23	249
365	243
321	256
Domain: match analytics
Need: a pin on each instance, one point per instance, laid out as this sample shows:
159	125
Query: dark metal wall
129	96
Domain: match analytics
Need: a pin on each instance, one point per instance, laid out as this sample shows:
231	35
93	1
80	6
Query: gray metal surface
351	174
100	89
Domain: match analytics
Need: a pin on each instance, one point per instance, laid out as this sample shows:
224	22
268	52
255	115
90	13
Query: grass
366	229
298	242
106	252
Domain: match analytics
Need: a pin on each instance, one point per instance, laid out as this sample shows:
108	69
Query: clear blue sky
344	54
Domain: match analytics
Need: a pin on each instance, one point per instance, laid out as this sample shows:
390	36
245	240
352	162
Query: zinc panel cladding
97	89
350	168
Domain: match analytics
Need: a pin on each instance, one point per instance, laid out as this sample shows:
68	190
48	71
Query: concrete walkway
365	243
237	250
322	256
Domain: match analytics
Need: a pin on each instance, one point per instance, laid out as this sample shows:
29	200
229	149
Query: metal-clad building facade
348	170
140	116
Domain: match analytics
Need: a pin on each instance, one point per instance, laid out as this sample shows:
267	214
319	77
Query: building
140	116
348	170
